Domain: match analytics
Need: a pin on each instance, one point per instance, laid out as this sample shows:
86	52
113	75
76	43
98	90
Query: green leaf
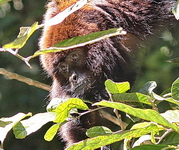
152	147
90	37
11	122
96	142
176	102
115	88
54	103
49	135
28	126
171	139
131	97
98	130
24	35
144	125
147	114
19	131
80	41
4	1
63	109
175	89
148	87
144	138
4	123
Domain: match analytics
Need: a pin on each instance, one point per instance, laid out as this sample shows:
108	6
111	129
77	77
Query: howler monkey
81	72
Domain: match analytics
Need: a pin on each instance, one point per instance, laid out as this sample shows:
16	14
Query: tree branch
26	80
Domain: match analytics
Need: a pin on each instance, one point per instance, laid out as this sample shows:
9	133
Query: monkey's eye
64	68
74	57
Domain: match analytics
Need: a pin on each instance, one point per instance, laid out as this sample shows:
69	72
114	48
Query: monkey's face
72	74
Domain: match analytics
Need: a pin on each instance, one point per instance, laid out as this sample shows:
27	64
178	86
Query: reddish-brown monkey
81	72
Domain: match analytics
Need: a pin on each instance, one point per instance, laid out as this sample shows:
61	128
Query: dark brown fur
112	58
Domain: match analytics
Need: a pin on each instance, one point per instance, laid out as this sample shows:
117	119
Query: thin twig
26	80
15	53
122	124
112	119
105	114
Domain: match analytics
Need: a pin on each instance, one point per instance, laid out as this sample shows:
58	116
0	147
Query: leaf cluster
146	125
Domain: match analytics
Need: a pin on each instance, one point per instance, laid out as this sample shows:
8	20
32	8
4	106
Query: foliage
145	123
151	125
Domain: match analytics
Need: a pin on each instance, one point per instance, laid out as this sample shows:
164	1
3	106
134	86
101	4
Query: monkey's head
71	74
81	72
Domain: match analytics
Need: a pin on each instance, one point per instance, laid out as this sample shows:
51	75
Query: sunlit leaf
172	116
115	88
28	126
152	147
49	135
145	137
175	89
141	140
131	97
147	114
53	104
80	41
176	102
144	125
24	35
62	15
63	109
13	121
96	142
98	130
